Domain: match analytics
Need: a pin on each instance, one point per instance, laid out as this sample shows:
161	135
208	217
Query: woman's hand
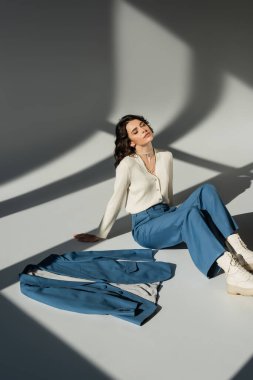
87	238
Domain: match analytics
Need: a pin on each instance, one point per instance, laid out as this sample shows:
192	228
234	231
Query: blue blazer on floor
98	297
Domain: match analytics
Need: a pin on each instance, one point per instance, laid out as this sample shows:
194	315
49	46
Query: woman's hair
122	141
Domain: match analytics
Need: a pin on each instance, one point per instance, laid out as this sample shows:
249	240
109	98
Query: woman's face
139	133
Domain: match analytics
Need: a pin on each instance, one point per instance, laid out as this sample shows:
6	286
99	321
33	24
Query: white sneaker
239	280
245	255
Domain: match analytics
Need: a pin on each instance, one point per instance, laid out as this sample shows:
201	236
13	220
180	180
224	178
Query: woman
143	184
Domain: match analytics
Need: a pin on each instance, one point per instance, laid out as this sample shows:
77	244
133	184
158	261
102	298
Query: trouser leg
187	223
206	197
203	246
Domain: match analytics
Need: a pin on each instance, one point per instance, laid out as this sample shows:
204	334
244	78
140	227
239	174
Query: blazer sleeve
116	202
170	187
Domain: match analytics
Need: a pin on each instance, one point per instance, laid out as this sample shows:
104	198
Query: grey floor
200	331
70	71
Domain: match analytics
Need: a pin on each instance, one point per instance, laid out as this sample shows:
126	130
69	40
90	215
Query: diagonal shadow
30	351
97	173
31	331
9	275
58	71
189	158
206	87
19	331
25	164
230	184
245	373
104	170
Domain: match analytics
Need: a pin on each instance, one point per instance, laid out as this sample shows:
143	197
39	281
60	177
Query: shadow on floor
245	373
29	351
9	275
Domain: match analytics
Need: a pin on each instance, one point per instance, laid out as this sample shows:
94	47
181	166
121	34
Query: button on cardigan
136	189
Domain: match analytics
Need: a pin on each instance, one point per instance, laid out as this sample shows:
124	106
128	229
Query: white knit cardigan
136	189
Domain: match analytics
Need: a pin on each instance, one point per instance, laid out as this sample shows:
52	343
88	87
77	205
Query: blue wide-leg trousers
163	226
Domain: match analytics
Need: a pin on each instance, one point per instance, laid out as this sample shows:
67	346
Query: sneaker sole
235	290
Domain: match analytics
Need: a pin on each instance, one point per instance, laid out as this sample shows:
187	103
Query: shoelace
234	262
242	243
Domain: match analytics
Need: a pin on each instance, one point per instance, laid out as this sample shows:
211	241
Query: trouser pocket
140	218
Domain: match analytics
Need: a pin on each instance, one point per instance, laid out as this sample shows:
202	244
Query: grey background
69	70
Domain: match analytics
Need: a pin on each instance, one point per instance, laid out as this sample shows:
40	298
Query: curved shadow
205	94
220	34
58	72
206	87
42	114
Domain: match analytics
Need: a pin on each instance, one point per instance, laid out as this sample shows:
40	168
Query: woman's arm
117	200
170	190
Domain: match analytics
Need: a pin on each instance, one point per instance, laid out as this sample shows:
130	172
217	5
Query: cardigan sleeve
117	200
170	187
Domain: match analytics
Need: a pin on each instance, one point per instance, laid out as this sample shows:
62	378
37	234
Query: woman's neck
142	150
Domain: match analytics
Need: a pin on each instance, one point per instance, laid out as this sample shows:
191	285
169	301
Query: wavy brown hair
122	141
